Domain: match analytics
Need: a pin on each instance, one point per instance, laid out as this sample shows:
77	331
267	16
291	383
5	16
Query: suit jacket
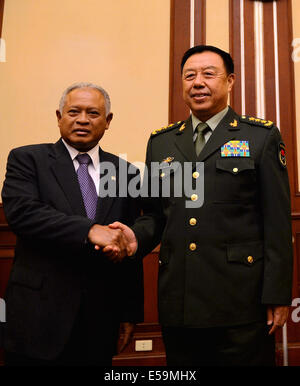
54	265
220	263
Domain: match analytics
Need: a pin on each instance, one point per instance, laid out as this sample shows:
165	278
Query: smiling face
206	84
83	120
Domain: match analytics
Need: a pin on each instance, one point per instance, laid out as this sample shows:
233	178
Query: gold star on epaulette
165	128
256	121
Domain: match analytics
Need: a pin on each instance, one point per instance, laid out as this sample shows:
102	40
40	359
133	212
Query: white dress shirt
94	166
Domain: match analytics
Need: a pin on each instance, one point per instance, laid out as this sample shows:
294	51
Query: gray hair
85	85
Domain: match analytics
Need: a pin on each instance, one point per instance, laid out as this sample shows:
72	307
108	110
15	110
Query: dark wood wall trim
235	52
1	15
179	43
269	62
200	22
250	74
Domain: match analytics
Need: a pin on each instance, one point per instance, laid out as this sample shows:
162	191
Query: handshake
115	240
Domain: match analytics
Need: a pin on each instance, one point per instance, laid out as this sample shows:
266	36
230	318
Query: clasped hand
115	240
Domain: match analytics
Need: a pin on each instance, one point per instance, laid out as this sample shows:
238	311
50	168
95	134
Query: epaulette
256	121
166	128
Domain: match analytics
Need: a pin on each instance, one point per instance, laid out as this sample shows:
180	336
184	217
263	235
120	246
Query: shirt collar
213	121
93	153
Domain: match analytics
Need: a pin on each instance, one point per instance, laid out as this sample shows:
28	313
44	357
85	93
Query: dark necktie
87	186
202	129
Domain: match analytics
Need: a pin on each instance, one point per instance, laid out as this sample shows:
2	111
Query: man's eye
94	113
189	76
72	111
209	74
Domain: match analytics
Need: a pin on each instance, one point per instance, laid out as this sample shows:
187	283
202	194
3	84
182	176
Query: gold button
193	221
250	259
162	175
159	262
194	197
235	170
193	246
195	175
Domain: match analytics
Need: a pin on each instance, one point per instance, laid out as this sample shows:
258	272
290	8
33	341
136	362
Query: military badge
168	160
234	123
235	149
282	154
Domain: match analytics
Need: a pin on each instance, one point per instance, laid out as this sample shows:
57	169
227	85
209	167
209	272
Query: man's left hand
276	317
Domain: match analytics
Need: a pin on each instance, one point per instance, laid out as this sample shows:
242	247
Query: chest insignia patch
282	154
235	149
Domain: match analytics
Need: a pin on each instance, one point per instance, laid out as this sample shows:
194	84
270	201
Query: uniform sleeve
276	209
148	228
27	215
132	274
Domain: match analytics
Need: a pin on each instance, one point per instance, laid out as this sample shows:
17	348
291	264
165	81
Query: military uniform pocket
235	179
246	253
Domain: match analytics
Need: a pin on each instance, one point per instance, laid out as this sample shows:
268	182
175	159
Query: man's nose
199	80
82	118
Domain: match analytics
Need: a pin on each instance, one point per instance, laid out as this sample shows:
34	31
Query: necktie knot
84	159
202	128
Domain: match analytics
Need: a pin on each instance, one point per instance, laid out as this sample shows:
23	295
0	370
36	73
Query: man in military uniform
225	274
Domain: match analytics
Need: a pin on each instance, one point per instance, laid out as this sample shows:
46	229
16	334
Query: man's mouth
81	131
200	96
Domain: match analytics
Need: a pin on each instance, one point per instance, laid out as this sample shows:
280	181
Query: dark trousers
246	345
90	344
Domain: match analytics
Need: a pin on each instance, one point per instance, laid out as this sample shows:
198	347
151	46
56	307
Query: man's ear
58	115
108	120
231	80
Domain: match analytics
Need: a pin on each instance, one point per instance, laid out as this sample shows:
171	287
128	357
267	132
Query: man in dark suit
65	299
225	274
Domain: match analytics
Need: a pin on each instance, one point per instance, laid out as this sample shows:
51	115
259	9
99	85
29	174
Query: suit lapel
105	203
184	141
224	132
63	169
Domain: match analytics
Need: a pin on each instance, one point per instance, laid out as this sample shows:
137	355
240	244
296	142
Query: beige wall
122	45
217	23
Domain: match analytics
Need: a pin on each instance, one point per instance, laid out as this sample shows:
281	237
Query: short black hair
227	59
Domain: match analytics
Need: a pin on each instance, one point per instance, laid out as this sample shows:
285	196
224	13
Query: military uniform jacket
220	263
